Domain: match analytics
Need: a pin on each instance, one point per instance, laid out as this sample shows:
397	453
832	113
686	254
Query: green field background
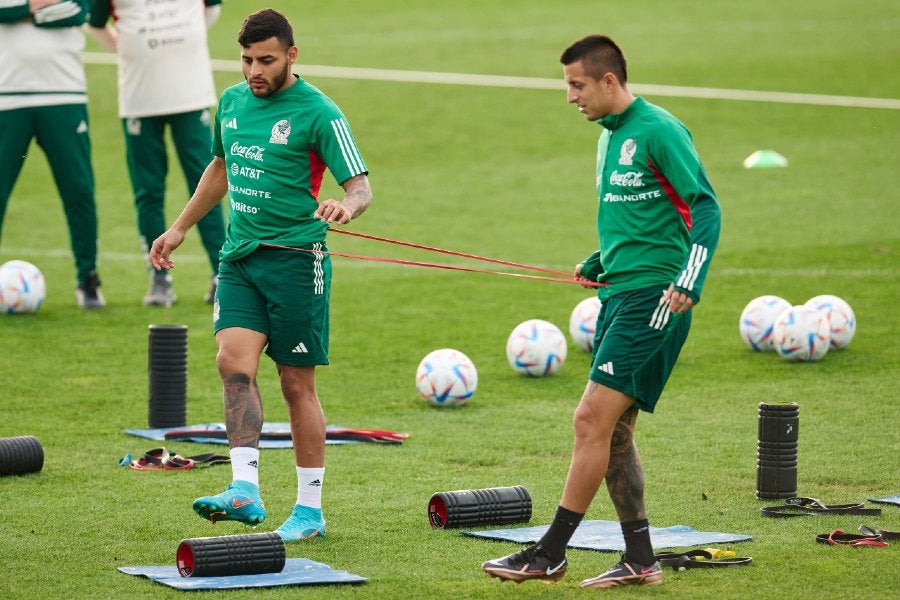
505	173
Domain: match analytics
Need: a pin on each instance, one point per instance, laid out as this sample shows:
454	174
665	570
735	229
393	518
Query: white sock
309	486
245	464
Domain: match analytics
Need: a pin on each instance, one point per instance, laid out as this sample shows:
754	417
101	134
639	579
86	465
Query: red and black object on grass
248	554
489	506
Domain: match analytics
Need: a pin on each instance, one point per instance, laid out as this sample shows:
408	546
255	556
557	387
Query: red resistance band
569	278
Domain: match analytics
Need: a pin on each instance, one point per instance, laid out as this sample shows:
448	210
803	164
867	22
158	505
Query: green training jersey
658	219
276	150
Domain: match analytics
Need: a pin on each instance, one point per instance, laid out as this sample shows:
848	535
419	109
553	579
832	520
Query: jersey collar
614	121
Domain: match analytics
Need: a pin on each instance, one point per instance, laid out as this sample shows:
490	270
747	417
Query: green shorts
283	294
636	345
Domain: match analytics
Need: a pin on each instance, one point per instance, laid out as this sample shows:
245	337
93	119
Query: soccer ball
583	322
840	316
801	333
536	348
446	377
22	287
757	320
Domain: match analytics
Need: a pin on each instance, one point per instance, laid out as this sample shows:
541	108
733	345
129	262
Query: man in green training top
658	223
274	136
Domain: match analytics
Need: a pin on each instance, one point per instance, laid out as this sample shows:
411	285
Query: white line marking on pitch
544	83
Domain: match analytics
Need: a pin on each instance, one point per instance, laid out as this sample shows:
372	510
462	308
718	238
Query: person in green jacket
658	223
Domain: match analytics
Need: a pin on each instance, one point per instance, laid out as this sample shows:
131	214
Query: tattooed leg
243	411
238	362
625	473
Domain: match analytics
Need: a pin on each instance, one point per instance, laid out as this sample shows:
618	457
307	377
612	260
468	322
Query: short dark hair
264	24
599	55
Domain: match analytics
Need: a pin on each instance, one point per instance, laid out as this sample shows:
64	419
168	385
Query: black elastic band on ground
802	507
698	559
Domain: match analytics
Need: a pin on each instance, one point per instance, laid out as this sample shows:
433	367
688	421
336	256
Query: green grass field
505	173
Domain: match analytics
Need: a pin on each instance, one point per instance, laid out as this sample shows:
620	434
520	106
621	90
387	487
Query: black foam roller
248	554
167	376
776	464
489	506
779	429
776	482
20	455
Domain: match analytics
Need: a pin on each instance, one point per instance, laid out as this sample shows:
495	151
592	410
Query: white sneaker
160	292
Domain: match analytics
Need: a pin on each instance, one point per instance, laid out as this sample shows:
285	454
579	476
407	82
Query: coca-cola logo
248	152
633	179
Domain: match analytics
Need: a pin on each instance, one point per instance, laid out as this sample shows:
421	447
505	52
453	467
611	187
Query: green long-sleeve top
658	219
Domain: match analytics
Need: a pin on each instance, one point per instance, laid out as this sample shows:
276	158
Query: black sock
560	532
638	548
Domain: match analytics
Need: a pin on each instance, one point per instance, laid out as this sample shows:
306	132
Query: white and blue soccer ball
801	333
757	321
583	323
22	287
536	348
446	377
840	317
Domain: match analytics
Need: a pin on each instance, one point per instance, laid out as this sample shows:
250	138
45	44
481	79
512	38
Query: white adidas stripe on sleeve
696	261
348	148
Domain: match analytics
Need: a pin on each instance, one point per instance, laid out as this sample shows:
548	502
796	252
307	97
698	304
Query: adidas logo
607	368
300	349
253	464
232	124
316	483
82	127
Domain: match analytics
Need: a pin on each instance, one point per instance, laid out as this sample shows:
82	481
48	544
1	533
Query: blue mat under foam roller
895	500
297	571
160	435
606	536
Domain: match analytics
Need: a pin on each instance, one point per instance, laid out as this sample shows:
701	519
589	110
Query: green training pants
148	166
62	133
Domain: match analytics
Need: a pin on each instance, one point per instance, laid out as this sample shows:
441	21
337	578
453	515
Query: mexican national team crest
133	126
280	132
626	152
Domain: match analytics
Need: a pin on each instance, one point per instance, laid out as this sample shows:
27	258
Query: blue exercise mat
895	500
297	571
607	536
160	435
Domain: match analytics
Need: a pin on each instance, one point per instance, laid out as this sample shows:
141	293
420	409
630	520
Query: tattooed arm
357	197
